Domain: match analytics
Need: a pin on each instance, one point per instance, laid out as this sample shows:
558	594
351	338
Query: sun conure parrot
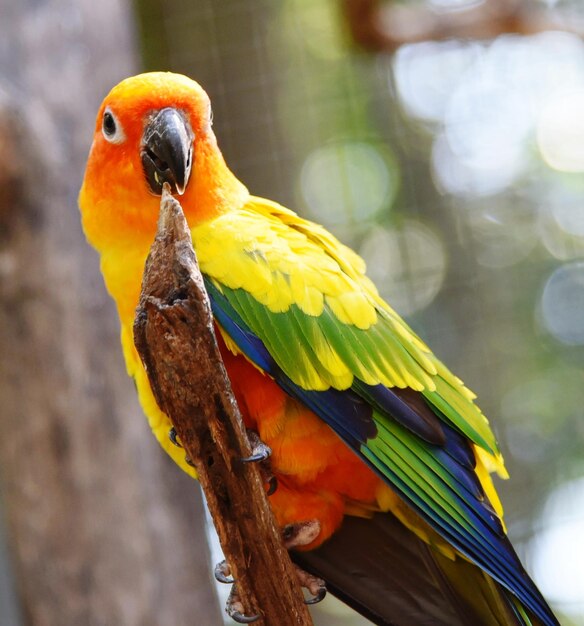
371	435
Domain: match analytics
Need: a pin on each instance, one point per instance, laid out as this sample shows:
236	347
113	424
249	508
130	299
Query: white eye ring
111	128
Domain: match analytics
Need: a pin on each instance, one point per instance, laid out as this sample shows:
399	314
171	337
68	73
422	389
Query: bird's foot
173	436
295	536
222	573
300	534
234	608
259	450
315	586
260	453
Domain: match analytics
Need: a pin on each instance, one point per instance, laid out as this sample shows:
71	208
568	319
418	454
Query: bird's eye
109	124
111	128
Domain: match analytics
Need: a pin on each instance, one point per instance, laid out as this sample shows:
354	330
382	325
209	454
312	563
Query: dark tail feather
383	571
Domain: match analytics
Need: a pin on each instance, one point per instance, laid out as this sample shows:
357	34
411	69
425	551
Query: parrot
374	442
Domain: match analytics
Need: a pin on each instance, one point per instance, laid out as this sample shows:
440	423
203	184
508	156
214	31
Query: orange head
153	128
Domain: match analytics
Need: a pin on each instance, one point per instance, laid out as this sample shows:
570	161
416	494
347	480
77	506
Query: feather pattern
318	359
347	356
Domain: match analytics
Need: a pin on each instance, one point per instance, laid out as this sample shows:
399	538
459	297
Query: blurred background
442	139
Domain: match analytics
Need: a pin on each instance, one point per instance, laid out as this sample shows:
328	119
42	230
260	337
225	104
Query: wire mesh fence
455	169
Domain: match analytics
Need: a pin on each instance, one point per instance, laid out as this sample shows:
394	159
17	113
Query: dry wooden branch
174	335
382	26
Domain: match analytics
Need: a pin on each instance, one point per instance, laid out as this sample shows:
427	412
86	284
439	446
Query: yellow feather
352	307
280	260
492	464
484	462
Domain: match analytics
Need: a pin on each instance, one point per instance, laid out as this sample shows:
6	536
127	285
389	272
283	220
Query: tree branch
174	335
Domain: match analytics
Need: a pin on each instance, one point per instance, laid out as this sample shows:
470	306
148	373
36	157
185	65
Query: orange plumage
318	475
317	472
314	354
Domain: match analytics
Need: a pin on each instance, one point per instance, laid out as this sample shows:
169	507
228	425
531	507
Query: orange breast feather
319	477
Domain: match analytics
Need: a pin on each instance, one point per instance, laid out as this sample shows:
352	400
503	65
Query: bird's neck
213	188
128	221
120	212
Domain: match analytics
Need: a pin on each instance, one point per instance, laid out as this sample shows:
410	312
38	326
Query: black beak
167	151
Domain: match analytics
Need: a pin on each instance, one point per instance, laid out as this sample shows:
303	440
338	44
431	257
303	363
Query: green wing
306	296
297	303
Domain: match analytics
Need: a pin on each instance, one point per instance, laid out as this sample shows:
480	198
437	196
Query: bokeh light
348	182
492	103
560	131
504	232
407	264
455	5
558	550
562	303
462	177
485	123
426	74
558	243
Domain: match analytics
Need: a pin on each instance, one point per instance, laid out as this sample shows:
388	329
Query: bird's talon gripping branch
243	619
259	450
174	437
222	573
319	597
316	586
301	534
272	485
234	609
260	454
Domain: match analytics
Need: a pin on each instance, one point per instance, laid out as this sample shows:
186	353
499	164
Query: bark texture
174	336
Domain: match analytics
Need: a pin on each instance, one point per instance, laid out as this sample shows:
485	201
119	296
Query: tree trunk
100	523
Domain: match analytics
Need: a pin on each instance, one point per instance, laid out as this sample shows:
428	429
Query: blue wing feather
466	519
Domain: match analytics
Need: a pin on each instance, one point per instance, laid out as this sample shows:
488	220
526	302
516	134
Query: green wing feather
306	296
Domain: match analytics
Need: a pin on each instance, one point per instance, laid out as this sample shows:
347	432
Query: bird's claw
316	586
256	457
272	485
302	534
240	618
174	437
260	453
319	597
222	573
295	535
259	450
234	609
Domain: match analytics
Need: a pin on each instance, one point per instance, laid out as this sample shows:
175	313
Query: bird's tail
393	578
